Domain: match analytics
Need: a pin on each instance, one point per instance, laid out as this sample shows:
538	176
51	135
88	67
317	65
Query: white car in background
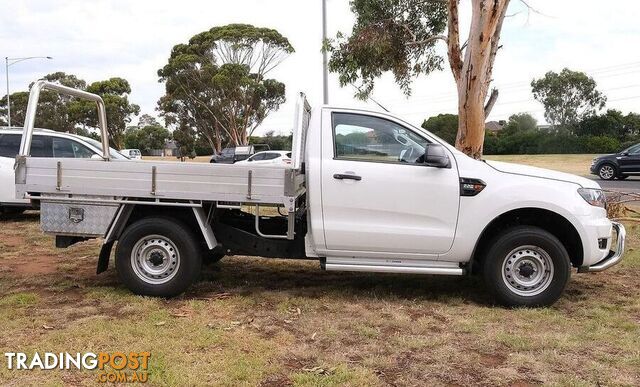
46	143
271	158
133	154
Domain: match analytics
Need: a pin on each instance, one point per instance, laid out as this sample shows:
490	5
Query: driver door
376	194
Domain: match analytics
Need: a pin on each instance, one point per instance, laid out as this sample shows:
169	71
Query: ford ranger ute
365	191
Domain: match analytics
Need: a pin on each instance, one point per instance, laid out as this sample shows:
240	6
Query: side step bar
408	266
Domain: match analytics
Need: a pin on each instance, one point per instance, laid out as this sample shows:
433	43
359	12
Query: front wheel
607	172
158	257
526	266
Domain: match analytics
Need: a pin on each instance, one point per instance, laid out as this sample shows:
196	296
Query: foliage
67	114
444	126
147	138
568	97
521	135
53	108
114	92
275	142
217	85
520	122
388	35
185	137
612	123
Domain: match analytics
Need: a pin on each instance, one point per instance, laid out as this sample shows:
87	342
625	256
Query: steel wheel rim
606	172
155	259
527	270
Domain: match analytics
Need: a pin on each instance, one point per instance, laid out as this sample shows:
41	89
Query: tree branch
490	102
427	41
453	40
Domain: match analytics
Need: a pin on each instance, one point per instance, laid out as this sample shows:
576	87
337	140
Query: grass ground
253	321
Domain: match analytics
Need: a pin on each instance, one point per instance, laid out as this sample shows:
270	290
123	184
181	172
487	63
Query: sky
100	39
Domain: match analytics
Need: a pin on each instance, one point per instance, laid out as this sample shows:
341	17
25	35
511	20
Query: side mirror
435	155
625	153
249	160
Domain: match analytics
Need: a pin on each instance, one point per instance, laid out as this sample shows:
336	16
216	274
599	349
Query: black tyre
526	266
158	257
622	177
607	171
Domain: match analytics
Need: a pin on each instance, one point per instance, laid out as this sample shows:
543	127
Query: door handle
342	176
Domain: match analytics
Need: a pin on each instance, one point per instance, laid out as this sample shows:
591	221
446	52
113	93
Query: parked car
45	143
231	155
366	192
133	154
619	165
273	158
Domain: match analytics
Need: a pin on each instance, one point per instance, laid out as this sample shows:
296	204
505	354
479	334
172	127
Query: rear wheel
607	172
526	266
158	257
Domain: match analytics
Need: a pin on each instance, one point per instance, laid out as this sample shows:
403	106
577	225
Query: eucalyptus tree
217	83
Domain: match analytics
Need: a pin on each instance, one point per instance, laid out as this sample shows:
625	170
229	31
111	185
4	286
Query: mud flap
103	259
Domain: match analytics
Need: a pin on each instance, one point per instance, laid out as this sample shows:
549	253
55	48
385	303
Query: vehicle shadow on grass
305	279
28	216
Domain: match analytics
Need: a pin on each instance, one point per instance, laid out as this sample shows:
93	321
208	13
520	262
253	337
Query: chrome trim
614	257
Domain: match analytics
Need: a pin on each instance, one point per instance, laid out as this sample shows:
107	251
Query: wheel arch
548	220
194	217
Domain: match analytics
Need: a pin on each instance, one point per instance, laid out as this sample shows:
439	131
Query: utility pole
7	64
325	69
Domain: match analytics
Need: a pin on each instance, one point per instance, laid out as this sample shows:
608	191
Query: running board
409	266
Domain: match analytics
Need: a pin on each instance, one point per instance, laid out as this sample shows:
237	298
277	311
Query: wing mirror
435	155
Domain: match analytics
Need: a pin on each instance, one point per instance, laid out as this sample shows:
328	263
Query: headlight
593	196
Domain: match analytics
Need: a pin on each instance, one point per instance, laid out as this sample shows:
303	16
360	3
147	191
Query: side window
635	150
41	146
366	138
9	145
63	147
271	156
258	157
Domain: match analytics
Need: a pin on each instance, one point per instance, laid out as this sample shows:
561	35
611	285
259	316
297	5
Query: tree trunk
473	74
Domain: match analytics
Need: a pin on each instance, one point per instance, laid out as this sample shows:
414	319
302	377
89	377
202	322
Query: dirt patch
35	265
12	240
491	360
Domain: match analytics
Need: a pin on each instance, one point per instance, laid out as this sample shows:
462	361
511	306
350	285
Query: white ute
365	191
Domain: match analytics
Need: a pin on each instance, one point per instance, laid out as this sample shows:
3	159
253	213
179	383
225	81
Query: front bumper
614	257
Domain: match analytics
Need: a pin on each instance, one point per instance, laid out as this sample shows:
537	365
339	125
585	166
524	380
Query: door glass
271	156
635	150
9	145
366	138
258	157
41	146
63	147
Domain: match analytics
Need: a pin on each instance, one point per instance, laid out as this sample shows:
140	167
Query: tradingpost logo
114	367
